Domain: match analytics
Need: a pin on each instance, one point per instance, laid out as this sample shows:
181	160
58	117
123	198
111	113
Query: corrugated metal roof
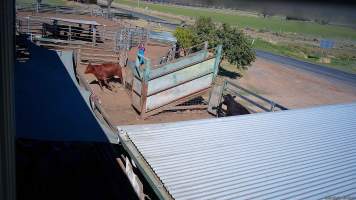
296	154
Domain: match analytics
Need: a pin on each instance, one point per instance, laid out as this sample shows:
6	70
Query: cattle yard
169	86
125	88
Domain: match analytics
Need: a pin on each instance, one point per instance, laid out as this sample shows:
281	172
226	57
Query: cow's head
229	98
90	69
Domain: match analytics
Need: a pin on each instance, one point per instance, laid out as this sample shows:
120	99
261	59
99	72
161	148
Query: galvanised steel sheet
178	64
137	85
178	92
296	154
181	76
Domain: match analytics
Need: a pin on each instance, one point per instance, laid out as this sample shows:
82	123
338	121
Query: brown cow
103	72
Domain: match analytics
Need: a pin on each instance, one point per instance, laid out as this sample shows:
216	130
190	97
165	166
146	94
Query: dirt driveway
294	88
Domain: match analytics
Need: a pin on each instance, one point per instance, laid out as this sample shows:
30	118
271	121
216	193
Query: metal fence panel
180	76
178	92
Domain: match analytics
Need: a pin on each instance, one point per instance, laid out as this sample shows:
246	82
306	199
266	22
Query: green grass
272	23
345	63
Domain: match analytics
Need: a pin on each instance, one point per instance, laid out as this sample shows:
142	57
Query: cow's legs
107	84
112	85
100	84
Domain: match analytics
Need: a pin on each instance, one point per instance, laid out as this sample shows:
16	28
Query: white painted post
94	35
28	25
205	45
37	6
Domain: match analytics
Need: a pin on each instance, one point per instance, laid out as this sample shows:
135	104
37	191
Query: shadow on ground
227	73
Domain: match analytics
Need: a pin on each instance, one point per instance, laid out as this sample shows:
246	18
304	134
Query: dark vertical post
70	35
7	121
109	8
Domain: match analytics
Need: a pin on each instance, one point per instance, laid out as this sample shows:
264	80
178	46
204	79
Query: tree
185	37
205	30
236	48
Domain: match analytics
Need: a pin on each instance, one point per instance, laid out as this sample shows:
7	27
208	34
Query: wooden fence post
145	79
218	54
94	35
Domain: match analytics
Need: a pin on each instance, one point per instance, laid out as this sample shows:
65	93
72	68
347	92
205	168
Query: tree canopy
185	37
236	48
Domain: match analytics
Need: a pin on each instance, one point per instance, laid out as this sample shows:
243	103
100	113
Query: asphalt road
319	70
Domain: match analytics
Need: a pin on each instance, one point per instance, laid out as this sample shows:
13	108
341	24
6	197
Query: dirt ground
117	104
289	87
294	88
154	51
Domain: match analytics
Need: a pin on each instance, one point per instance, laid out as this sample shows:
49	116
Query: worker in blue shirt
141	52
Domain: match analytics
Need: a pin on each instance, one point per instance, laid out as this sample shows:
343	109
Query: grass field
344	62
274	24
